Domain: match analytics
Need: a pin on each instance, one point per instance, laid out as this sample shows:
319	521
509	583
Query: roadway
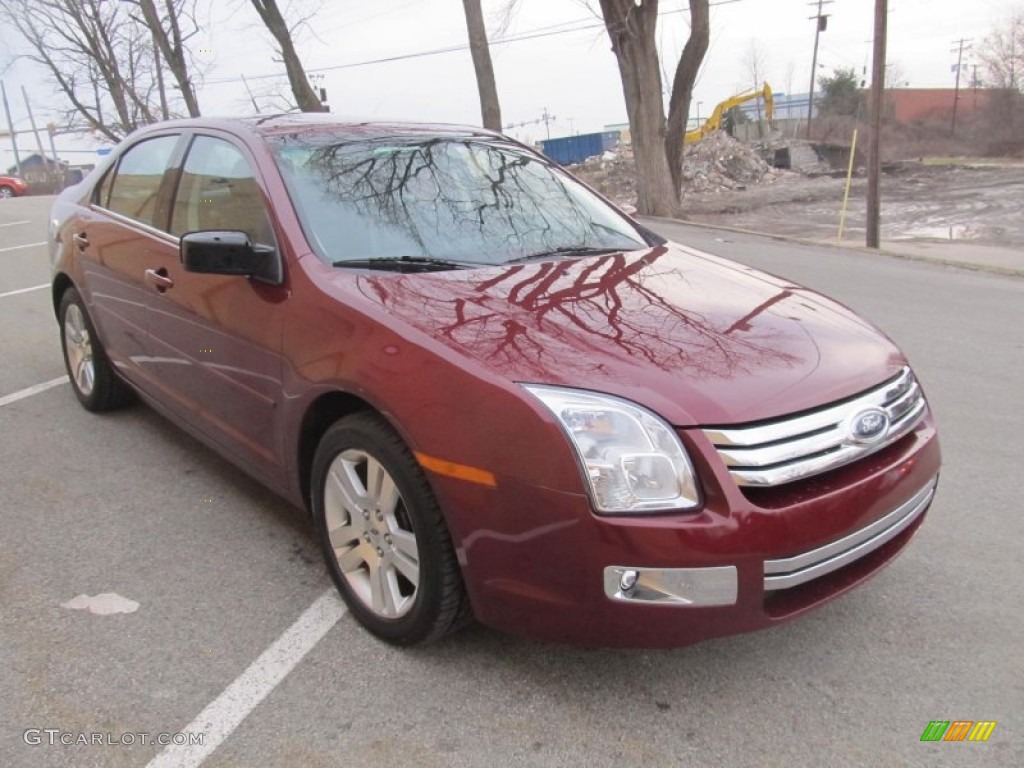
237	633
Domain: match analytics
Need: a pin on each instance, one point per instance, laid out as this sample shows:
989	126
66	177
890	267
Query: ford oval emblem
869	426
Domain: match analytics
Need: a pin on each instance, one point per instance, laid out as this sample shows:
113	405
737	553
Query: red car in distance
496	394
12	186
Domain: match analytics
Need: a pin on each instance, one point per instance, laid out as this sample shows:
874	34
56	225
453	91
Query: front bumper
720	585
538	562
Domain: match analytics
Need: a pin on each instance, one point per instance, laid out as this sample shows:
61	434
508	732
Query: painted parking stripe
16	247
24	290
227	711
14	223
33	390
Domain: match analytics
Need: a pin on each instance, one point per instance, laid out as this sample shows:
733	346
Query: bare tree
305	96
1003	53
171	31
755	63
490	109
96	55
657	143
895	75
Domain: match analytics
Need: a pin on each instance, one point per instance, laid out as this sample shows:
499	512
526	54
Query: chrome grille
800	446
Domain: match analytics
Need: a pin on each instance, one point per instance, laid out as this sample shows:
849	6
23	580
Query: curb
884	251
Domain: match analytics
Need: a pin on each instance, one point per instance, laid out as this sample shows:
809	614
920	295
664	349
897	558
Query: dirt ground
728	183
983	204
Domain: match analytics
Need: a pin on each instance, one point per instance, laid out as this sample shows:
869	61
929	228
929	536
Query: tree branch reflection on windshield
466	200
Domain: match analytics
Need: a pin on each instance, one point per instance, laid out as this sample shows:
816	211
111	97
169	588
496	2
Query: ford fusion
496	394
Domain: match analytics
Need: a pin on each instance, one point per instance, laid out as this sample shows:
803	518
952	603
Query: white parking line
24	290
16	247
33	390
13	223
227	711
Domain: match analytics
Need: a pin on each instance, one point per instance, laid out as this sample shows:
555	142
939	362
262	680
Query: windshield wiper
567	250
406	263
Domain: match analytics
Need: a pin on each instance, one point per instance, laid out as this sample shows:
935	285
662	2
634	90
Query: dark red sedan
12	186
496	394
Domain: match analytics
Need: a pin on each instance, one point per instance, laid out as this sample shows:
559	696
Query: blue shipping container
569	150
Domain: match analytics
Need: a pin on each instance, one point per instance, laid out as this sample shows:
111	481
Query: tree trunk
682	87
305	96
172	47
631	29
490	109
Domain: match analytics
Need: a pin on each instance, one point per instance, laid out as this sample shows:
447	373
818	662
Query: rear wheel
384	539
96	385
6	191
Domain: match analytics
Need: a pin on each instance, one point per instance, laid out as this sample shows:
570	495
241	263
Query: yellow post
846	192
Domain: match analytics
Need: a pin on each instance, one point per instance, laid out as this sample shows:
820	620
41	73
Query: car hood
698	339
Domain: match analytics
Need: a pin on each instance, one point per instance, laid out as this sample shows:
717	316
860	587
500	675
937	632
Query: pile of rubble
611	173
717	163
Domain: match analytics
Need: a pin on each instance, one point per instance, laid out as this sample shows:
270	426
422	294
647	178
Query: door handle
158	279
81	240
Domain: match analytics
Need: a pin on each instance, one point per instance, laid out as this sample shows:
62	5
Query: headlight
631	460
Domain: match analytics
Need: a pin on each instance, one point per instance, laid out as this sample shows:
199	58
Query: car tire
384	539
6	191
93	379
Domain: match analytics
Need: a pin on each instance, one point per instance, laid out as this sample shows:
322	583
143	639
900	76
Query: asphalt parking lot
237	634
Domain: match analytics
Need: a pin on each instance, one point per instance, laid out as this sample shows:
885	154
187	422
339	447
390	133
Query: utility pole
51	129
875	148
820	25
255	106
959	51
10	127
159	67
39	139
547	120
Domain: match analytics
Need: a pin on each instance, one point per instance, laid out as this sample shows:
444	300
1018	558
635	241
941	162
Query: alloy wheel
79	350
371	534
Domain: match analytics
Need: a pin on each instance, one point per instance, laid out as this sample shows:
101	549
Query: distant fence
755	131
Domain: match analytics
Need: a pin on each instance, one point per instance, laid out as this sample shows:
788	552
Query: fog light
628	580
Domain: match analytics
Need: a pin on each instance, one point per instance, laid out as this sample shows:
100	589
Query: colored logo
958	730
869	426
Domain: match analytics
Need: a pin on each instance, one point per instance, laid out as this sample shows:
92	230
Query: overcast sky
572	73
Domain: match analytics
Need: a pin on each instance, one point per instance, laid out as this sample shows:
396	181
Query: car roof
315	125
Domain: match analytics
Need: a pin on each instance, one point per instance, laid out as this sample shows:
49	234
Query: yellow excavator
714	122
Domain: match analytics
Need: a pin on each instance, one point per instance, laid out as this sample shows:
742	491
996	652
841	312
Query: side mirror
628	209
229	252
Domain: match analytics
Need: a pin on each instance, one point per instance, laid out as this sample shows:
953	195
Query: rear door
118	236
216	340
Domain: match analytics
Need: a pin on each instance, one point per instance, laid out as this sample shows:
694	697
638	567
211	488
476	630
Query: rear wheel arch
61	283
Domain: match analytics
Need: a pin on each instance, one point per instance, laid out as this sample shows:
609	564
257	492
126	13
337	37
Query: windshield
465	200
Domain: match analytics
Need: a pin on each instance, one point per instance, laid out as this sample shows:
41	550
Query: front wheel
385	541
6	192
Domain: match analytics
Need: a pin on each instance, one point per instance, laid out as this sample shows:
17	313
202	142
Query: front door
215	340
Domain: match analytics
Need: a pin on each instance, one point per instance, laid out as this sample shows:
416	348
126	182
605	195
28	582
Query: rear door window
135	187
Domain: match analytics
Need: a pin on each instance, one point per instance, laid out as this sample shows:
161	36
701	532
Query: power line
538	32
